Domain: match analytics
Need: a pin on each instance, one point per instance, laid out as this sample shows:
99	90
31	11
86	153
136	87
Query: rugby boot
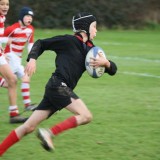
45	137
17	119
31	107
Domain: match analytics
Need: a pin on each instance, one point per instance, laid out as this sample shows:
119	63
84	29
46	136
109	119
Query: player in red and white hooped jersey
4	7
2	20
6	71
21	33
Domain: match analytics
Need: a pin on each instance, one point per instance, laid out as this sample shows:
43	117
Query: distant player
21	33
6	71
70	52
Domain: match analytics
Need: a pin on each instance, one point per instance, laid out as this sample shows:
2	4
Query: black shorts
57	95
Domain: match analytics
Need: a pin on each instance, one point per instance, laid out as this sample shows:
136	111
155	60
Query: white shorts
15	64
2	60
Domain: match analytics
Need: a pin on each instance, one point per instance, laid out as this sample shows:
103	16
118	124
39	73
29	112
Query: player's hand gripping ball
92	71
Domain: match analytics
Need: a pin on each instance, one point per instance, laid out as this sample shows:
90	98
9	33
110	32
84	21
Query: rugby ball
94	53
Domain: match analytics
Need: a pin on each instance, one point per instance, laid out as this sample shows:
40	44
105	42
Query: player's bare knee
12	82
29	128
88	118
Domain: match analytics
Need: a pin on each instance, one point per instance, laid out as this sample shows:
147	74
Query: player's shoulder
71	38
65	37
11	28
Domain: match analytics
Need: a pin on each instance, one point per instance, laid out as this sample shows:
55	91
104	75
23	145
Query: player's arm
110	66
30	41
29	46
38	48
111	69
35	52
101	61
7	35
42	45
30	67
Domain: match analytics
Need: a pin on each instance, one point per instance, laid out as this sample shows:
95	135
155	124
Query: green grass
126	124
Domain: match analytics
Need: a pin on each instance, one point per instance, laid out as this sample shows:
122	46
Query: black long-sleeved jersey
70	59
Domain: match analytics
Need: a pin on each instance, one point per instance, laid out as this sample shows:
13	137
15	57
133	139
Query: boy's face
93	30
4	7
27	20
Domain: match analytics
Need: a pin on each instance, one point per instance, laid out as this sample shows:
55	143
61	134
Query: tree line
109	13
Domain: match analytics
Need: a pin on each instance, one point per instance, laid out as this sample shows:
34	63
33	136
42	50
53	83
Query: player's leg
3	83
81	116
81	112
11	80
2	63
26	128
18	69
64	96
29	126
11	84
25	91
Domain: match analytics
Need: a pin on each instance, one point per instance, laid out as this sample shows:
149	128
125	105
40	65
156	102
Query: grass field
126	107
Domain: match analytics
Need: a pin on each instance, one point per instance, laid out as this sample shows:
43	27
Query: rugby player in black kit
70	52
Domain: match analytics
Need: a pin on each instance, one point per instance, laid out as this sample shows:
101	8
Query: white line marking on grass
136	58
140	74
124	44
